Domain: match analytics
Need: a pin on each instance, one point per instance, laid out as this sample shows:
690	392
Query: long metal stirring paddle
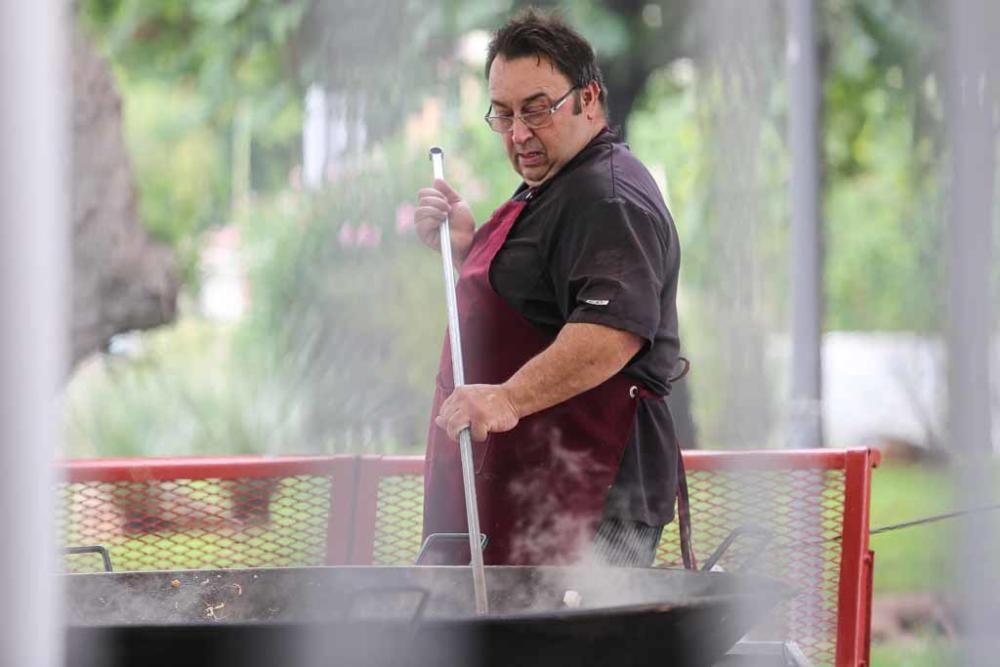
464	436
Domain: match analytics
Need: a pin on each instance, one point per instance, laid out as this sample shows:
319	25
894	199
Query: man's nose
520	132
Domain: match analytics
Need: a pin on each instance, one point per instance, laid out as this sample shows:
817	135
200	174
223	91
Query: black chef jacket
596	244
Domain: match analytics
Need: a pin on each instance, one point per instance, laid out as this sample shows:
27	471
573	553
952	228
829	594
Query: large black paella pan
381	616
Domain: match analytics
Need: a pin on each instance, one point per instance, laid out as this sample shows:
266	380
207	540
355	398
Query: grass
932	653
914	559
910	559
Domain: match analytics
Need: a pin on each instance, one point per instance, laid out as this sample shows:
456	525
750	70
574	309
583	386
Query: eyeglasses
533	119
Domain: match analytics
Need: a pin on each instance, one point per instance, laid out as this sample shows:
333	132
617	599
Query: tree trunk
626	81
122	280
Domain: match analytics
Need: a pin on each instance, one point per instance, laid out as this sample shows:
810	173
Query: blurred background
247	280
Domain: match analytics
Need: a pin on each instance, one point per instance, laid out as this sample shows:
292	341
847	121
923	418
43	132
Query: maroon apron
542	486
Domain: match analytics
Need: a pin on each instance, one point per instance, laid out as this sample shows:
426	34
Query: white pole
315	139
33	264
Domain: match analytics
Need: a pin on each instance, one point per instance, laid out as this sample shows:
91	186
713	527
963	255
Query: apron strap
683	371
683	502
684	516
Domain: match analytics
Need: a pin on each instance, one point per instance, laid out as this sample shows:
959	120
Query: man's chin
536	175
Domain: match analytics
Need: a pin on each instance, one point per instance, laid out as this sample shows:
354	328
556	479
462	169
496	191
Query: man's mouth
530	158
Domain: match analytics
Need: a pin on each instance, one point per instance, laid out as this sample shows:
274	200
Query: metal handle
438	538
464	437
93	549
762	536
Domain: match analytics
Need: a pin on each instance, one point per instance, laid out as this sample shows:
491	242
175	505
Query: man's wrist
511	394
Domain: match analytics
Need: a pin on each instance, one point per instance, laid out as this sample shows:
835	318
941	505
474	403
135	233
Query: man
568	324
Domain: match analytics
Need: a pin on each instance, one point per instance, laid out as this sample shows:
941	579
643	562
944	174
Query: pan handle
761	536
93	549
436	538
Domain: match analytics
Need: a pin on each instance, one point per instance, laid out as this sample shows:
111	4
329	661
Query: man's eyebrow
527	100
532	98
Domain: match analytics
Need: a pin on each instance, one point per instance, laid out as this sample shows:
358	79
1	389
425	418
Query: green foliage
883	143
358	328
186	390
178	163
883	116
342	50
347	336
227	62
230	49
268	51
607	31
885	243
882	56
341	346
325	312
202	61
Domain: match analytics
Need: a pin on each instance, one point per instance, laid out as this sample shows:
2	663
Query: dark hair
546	35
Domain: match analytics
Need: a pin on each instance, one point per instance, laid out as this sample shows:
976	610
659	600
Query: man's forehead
513	82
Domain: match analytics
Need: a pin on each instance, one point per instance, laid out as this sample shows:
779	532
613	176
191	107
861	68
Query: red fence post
365	510
341	517
856	565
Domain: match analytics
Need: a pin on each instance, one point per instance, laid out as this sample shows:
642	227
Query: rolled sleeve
609	268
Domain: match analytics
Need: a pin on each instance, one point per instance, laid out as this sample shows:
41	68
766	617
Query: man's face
530	84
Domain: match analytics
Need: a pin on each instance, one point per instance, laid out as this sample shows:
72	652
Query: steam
551	535
548	534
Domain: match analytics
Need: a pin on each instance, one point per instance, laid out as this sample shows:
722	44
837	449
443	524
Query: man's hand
484	408
433	204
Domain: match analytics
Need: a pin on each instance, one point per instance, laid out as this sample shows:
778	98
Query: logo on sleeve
597	302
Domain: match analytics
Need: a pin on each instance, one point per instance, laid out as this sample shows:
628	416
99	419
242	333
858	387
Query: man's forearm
582	357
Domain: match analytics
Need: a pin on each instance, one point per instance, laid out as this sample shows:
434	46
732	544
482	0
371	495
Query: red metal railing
210	512
274	512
